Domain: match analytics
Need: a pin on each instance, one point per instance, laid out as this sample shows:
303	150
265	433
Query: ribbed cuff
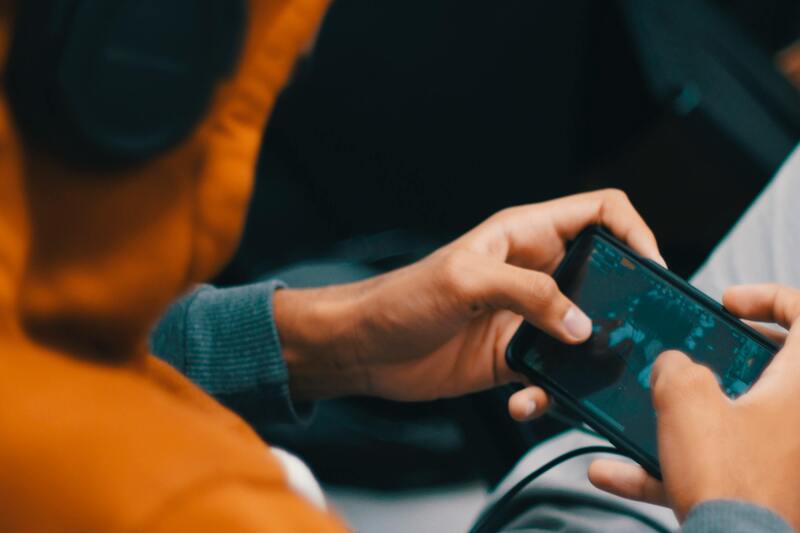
226	341
731	516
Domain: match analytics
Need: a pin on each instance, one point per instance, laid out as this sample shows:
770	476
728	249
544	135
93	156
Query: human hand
712	447
788	62
440	327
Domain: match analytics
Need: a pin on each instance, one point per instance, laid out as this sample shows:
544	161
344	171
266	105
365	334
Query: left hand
440	327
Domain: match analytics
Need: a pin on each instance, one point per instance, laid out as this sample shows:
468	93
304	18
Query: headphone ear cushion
118	81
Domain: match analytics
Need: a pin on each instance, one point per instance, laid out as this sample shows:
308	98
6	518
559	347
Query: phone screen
636	315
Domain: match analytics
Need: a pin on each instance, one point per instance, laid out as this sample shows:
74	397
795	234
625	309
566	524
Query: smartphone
638	310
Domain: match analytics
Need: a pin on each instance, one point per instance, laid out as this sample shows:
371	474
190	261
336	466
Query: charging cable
495	517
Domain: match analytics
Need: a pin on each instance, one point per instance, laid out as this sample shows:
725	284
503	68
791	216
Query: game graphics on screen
636	317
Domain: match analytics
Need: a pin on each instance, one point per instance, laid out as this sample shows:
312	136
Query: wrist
317	331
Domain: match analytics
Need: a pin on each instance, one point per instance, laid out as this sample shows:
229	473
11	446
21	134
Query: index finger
612	209
775	303
764	302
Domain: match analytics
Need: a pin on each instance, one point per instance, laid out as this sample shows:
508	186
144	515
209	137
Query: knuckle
506	215
787	303
453	271
697	378
543	288
616	196
670	358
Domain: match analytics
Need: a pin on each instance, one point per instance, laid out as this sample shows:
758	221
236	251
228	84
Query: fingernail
577	324
529	409
662	262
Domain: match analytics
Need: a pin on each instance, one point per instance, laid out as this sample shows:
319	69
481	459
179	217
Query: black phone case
514	352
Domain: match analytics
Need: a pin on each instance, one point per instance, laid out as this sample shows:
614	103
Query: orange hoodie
95	433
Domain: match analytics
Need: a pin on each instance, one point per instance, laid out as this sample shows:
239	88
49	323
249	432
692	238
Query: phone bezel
527	333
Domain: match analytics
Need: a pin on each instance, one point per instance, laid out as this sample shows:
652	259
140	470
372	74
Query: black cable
487	521
571	421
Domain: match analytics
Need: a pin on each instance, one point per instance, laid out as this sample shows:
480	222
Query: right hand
712	447
440	327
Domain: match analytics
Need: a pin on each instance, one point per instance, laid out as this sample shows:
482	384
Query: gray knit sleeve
225	340
727	516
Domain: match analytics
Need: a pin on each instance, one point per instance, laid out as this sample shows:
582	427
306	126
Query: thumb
536	297
679	386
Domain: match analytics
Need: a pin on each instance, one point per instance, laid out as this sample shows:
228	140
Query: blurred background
411	121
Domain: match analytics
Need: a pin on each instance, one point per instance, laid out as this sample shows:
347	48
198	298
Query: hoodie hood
89	260
14	234
96	435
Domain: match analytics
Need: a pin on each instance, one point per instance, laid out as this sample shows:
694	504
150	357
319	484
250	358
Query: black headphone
116	82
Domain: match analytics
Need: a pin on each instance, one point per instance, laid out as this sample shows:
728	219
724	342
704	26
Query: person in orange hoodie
97	434
129	133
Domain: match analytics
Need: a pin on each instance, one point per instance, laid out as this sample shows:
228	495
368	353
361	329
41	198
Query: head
109	246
